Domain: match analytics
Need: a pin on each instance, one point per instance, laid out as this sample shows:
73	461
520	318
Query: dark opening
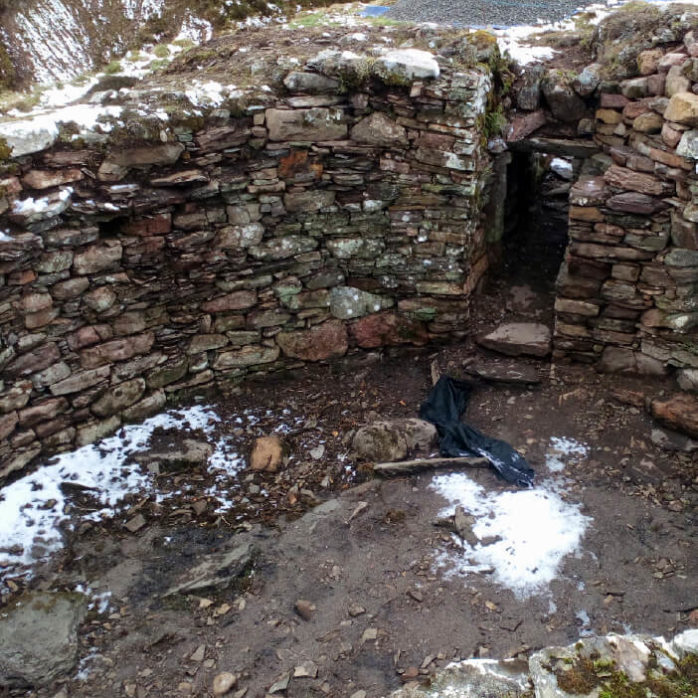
536	218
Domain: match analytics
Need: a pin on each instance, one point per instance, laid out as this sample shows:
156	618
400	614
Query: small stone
266	454
356	609
198	654
135	524
410	674
281	684
307	670
317	452
305	609
223	682
369	635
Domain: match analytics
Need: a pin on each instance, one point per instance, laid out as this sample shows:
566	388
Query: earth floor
386	600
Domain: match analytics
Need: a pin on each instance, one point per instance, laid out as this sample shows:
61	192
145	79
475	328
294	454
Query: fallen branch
406	467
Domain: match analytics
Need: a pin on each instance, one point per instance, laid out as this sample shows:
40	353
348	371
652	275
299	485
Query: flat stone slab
215	571
503	371
38	637
519	338
673	441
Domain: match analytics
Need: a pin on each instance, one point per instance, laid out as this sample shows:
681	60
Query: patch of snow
195	29
32	508
60	96
536	530
40	130
39	24
562	451
585	623
210	93
562	167
4	237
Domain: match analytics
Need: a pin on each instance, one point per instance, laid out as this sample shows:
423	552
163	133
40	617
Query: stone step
519	338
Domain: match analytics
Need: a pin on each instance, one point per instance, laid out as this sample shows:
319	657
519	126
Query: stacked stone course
628	291
299	230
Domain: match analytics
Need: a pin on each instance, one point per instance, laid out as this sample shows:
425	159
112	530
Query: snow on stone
32	207
38	132
195	29
409	63
562	168
562	451
585	623
536	528
32	508
209	93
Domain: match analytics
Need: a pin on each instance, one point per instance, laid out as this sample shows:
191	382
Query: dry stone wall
289	229
628	291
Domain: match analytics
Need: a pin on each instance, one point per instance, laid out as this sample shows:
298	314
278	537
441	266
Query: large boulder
565	104
38	637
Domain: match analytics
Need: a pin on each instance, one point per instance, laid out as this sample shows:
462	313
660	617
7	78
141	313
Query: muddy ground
381	607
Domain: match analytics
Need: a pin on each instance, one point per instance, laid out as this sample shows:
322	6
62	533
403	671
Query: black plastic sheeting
444	406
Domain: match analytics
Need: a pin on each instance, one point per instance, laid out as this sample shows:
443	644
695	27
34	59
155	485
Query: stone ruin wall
628	289
300	230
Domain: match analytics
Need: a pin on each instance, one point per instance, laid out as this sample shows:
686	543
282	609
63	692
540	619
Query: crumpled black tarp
444	407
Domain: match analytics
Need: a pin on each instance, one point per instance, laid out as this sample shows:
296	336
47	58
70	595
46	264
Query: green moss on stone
5	150
8	75
113	67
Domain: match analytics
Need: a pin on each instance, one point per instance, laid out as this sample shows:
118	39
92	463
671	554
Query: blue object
374	11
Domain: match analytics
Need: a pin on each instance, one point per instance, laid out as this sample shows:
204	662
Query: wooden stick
406	467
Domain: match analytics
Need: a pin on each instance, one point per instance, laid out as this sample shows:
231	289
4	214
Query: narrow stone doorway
534	236
529	208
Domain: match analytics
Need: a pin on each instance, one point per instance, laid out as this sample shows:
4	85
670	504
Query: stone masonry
143	257
629	288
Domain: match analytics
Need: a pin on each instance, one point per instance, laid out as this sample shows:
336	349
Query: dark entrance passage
529	208
534	235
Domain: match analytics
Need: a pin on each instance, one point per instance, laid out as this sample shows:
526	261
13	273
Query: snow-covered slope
50	40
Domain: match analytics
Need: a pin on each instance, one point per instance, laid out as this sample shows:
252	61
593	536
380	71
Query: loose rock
38	637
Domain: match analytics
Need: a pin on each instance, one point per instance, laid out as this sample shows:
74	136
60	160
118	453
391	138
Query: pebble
304	609
223	682
198	654
356	610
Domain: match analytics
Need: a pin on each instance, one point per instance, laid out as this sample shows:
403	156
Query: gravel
481	13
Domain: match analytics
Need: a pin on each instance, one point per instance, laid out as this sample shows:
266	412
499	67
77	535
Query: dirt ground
380	607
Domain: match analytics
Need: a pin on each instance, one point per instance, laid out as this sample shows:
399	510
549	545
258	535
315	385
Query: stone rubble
637	657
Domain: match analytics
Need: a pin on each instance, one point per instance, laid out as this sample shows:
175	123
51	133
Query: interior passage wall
288	233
